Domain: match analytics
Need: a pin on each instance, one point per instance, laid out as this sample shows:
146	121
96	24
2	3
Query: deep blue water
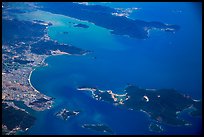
165	60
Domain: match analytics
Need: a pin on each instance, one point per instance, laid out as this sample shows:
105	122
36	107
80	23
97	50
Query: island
161	105
81	25
98	127
42	22
155	127
124	11
65	114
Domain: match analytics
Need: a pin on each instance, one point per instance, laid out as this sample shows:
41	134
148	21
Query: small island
155	127
98	127
65	32
66	114
81	25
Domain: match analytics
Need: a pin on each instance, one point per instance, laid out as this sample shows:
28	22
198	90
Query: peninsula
108	18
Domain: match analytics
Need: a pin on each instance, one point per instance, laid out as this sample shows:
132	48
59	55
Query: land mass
15	119
161	105
106	17
81	25
98	127
25	46
65	114
155	127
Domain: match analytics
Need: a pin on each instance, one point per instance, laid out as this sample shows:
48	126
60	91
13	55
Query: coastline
54	53
46	64
31	83
45	81
29	77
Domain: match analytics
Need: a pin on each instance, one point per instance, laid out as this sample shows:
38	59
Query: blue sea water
165	60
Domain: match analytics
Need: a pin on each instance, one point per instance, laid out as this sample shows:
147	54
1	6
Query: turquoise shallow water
165	60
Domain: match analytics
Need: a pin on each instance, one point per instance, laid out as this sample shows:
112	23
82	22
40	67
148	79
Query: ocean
164	60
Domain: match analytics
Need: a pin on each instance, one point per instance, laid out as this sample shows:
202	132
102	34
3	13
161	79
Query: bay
165	60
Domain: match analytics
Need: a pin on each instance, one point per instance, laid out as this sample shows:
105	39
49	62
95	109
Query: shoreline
46	64
29	78
56	53
31	83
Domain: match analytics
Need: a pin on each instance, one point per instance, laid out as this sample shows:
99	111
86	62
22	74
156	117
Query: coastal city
19	59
